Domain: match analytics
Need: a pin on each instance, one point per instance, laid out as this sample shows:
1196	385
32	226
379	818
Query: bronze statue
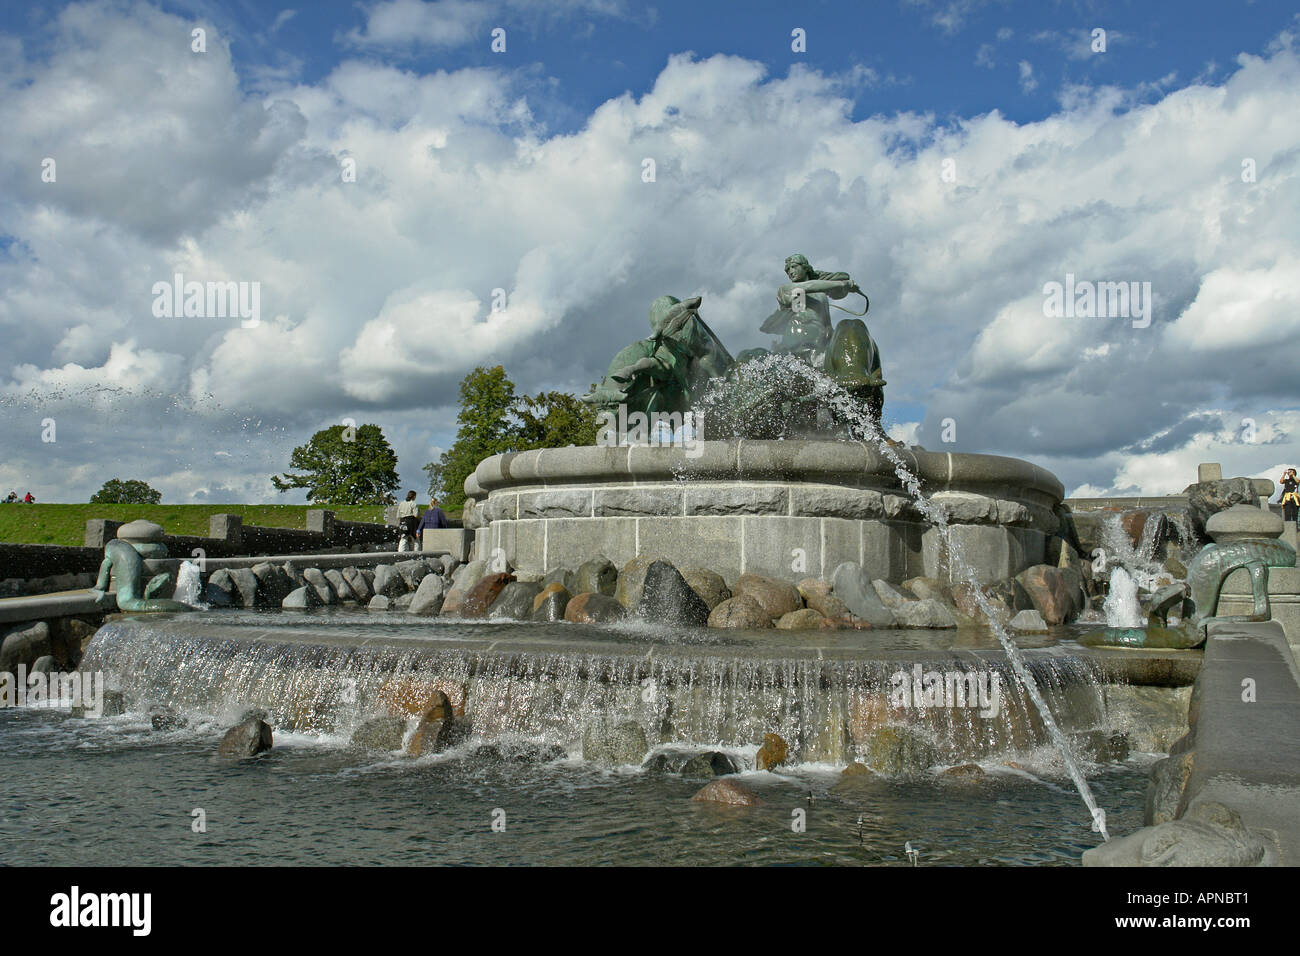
125	555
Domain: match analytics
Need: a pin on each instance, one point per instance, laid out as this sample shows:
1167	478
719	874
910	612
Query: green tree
132	492
487	427
344	466
555	419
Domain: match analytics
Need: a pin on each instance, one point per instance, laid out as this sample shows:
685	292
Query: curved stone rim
749	460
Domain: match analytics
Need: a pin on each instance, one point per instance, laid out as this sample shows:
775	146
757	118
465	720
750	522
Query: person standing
408	515
1290	494
433	518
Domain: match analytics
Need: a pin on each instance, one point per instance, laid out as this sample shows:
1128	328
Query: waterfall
1122	608
189	587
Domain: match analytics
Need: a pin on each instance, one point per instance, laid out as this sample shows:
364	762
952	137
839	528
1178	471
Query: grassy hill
66	524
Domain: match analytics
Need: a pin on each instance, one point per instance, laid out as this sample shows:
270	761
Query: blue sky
521	170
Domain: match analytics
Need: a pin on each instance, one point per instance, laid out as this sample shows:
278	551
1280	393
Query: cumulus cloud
472	235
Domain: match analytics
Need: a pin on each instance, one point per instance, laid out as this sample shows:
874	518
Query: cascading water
189	586
783	369
1122	608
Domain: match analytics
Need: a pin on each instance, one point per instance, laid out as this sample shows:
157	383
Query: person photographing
1290	494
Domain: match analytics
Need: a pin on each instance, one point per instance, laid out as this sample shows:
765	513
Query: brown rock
740	612
594	608
805	619
550	589
1050	591
480	596
711	587
1133	522
416	696
727	791
812	586
965	771
772	753
776	597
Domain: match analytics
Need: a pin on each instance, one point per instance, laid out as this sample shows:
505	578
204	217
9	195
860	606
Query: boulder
855	775
898	750
1210	834
429	596
929	589
550	603
273	584
818	596
436	730
728	792
521	752
301	598
389	581
614	744
220	589
380	602
710	763
1208	498
593	608
560	576
413	572
468	575
928	613
320	584
631	580
889	596
359	584
666	598
1029	622
1053	594
1000	597
773	753
852	585
515	602
25	645
1165	788
245	592
43	665
1155	716
1100	746
964	771
597	575
246	739
710	586
163	718
380	733
481	597
341	587
805	619
776	597
740	613
403	601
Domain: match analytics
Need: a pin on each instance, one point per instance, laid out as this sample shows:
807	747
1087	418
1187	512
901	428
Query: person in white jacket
408	516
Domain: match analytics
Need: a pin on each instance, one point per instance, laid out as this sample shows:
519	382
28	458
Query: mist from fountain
786	373
1121	607
189	586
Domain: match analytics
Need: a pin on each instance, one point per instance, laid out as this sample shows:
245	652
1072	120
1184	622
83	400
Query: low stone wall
27	561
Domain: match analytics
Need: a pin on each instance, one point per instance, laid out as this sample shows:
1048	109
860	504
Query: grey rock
25	645
666	598
341	587
1165	787
273	584
360	586
852	585
631	580
301	598
246	739
389	581
515	602
710	586
711	763
220	589
467	575
521	752
380	733
898	750
449	565
552	606
929	613
402	602
889	596
1208	498
1029	622
429	596
561	576
412	572
614	744
320	584
380	602
1210	834
245	592
43	665
164	718
598	575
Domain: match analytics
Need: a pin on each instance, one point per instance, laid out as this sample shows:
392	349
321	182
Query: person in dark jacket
433	518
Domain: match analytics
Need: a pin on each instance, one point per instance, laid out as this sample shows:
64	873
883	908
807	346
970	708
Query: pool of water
113	791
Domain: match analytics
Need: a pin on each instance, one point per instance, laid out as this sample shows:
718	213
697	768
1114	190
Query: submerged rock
711	763
727	792
965	771
666	598
437	728
773	753
522	752
1029	622
898	750
380	733
164	718
246	739
614	744
592	608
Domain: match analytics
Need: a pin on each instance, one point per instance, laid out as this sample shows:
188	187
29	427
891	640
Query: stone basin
788	509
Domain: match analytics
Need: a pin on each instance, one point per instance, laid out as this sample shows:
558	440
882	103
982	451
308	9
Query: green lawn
66	524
